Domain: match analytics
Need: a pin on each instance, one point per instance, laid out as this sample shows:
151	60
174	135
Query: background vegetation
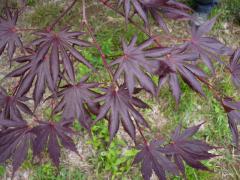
113	161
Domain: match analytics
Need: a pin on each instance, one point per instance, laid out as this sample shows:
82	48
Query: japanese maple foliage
234	67
9	31
47	65
208	48
156	8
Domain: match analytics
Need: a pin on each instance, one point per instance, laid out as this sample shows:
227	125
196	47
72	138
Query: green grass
113	160
48	172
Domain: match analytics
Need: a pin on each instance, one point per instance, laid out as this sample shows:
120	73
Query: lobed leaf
9	37
120	106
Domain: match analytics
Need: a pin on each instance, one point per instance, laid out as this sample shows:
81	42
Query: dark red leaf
120	107
77	102
51	136
15	141
207	48
232	109
234	67
156	8
153	159
61	45
132	64
11	106
184	148
9	37
175	62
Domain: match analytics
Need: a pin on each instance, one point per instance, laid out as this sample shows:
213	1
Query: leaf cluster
47	66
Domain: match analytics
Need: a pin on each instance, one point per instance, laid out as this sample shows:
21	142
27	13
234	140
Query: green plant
113	158
48	172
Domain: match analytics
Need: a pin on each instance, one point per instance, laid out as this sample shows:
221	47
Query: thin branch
141	133
91	33
218	95
61	16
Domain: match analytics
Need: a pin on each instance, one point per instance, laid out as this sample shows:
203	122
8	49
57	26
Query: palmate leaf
15	141
9	37
120	106
208	48
60	46
234	67
77	102
184	148
232	108
134	65
152	159
34	68
174	62
156	8
12	106
51	135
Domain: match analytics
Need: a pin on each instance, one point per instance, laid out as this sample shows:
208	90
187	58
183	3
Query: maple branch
217	94
91	33
25	29
61	16
141	133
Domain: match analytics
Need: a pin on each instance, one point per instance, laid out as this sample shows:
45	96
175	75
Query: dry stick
105	2
62	15
91	33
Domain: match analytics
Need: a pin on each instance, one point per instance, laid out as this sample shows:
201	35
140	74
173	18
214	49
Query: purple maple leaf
120	107
184	148
11	106
174	62
50	135
232	109
234	67
9	37
134	65
207	48
152	159
34	68
156	8
60	46
15	141
77	102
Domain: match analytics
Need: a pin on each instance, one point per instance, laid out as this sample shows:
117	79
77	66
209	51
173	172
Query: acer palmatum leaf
234	67
12	105
34	68
52	136
173	63
9	37
232	108
134	65
121	107
152	159
185	148
61	46
156	8
208	48
15	141
77	102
